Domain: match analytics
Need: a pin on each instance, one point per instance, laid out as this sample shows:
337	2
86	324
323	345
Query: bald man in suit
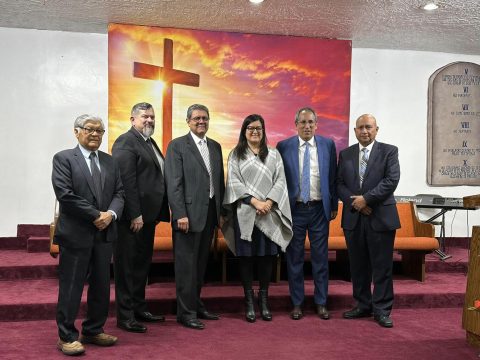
368	174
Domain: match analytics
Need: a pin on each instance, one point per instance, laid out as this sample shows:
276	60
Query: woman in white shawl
259	220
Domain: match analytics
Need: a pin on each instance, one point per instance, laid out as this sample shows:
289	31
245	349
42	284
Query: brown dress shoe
99	339
322	312
70	348
296	313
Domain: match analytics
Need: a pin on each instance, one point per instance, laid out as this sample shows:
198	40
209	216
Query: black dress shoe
205	315
132	326
356	313
384	321
149	317
296	313
322	312
192	324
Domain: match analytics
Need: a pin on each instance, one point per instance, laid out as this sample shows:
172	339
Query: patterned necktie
363	164
305	186
206	158
97	179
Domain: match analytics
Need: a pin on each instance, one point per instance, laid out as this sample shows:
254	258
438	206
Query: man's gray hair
140	106
82	119
306	108
193	107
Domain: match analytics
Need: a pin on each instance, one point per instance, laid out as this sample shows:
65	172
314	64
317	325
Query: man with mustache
195	183
142	170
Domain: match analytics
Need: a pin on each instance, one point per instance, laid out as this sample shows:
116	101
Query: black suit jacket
74	189
142	177
380	181
188	181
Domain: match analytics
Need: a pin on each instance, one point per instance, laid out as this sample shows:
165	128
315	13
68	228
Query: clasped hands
261	207
360	205
103	220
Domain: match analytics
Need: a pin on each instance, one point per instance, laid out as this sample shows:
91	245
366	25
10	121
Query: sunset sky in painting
240	74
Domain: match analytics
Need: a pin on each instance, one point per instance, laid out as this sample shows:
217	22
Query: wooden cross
169	76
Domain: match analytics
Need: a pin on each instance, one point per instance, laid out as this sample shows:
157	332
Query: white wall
393	86
48	78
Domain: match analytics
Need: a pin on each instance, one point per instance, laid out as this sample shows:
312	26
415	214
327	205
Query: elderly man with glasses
89	190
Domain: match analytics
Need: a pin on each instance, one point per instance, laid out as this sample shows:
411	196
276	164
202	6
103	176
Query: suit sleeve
388	184
118	198
175	181
70	203
332	177
343	192
126	159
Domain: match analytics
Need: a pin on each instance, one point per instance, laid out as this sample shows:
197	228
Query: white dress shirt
315	191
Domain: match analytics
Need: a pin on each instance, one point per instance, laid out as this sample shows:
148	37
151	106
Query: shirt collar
302	142
369	147
86	153
197	139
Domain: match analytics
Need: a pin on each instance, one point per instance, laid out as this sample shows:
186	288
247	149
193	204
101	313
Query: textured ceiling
383	24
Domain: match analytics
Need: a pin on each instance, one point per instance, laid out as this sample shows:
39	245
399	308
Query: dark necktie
97	179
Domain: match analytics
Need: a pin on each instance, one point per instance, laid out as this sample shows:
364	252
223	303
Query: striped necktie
363	164
206	158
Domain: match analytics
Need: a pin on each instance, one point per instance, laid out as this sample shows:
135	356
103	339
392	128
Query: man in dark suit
368	174
142	169
195	184
89	190
310	163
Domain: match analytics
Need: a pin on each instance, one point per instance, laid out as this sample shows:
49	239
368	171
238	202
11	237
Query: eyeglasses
254	128
304	123
90	131
198	118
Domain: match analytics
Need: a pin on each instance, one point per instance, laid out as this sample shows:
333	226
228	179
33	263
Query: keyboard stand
441	239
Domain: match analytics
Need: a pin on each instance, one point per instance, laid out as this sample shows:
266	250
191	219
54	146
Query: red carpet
427	317
418	334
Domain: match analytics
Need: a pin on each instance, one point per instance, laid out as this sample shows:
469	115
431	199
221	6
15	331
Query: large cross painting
233	74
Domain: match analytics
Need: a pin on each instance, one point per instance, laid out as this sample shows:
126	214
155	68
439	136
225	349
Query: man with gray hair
310	163
195	184
142	169
89	190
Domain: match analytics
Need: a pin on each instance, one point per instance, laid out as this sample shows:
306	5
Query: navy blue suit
313	218
370	238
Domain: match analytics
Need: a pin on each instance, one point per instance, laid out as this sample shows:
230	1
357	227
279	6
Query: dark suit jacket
142	177
380	181
73	186
188	182
327	164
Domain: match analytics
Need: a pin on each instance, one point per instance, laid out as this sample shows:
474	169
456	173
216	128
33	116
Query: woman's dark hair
240	151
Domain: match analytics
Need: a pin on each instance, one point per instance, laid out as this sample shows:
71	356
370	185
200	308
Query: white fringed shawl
251	177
